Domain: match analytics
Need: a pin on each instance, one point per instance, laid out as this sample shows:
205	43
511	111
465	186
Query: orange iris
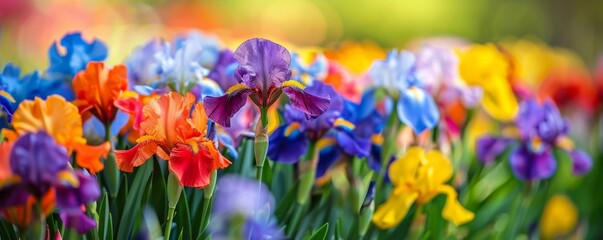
61	120
96	88
173	136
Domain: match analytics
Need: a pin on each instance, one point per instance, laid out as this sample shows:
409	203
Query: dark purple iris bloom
331	132
541	126
263	74
237	199
41	164
224	69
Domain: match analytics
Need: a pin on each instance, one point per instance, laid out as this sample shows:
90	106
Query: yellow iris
559	217
418	177
485	66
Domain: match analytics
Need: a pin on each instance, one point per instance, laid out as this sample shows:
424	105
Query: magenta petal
313	106
221	109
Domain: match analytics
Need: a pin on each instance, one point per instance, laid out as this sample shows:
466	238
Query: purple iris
541	127
237	199
41	164
223	70
291	141
263	74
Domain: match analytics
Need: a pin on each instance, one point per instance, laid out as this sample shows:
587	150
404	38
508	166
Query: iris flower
147	64
263	74
61	120
76	56
308	65
485	66
541	129
237	199
223	70
419	176
397	76
97	88
290	141
176	137
39	165
17	88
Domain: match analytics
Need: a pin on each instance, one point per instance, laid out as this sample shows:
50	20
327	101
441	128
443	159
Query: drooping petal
391	213
488	148
23	214
89	157
352	144
13	193
135	156
78	220
221	109
527	165
499	101
417	109
97	88
453	210
262	64
193	167
312	105
72	197
286	149
165	118
581	162
326	158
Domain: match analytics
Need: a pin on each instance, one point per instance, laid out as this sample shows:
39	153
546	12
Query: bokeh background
28	27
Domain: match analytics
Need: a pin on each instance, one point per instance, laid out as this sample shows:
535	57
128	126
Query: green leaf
435	223
158	182
7	231
184	217
338	230
117	204
133	200
267	172
110	228
103	217
286	204
321	233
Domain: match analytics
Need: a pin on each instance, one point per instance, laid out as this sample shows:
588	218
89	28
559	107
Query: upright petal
403	170
418	110
221	109
313	106
262	64
55	116
527	165
192	166
96	89
165	119
199	119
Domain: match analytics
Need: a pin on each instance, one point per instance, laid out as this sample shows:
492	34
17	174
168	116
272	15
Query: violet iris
38	164
541	129
263	74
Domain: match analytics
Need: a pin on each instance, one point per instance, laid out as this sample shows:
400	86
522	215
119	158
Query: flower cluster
353	142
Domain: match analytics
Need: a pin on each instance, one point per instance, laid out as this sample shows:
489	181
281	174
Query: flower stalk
173	190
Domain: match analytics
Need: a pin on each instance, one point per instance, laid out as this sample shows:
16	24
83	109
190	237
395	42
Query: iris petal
221	109
418	110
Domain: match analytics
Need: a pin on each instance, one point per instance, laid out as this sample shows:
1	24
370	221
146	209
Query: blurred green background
28	27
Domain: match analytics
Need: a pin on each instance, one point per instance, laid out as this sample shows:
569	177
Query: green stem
307	174
168	223
205	216
389	137
295	220
518	216
37	228
173	191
